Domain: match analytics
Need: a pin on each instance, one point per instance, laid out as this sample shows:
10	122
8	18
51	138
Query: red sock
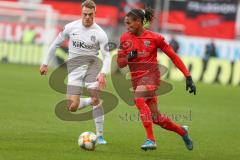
164	121
146	117
168	124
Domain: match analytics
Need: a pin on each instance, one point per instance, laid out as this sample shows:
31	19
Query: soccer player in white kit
85	39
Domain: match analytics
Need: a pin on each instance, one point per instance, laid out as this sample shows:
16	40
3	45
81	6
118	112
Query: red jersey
146	63
146	45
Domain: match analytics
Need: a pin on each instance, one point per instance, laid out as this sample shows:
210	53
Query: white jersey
82	41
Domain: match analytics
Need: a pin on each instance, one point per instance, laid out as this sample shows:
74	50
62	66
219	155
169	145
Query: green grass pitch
30	130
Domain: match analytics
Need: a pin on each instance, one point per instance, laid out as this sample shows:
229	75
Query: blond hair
89	4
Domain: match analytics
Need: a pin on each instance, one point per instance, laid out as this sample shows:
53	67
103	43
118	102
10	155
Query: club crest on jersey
147	43
93	38
126	45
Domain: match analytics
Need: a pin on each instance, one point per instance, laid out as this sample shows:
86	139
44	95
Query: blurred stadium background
207	37
206	32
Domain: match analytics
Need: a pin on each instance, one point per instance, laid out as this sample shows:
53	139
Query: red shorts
152	81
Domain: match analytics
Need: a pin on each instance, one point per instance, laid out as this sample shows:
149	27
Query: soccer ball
87	141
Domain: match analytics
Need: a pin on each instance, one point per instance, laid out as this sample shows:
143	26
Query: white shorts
82	72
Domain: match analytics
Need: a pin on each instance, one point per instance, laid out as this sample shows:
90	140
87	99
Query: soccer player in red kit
138	51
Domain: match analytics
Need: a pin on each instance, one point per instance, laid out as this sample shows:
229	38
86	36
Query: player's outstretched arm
101	78
52	50
181	66
167	49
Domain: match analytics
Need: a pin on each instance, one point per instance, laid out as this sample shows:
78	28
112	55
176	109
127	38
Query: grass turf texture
30	130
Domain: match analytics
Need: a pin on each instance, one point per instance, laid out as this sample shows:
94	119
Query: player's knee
145	91
153	100
162	120
72	109
95	101
155	116
73	106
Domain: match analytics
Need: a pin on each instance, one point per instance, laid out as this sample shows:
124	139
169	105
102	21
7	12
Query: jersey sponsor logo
81	44
143	54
